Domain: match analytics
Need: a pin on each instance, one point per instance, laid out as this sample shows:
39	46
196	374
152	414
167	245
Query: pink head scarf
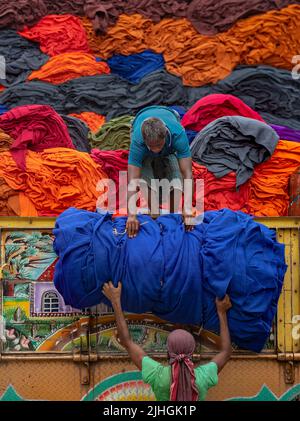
181	345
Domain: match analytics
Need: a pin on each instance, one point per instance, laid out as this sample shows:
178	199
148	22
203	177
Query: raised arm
132	224
224	355
135	352
185	165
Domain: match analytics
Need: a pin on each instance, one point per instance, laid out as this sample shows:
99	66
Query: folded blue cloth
3	109
191	134
135	66
173	273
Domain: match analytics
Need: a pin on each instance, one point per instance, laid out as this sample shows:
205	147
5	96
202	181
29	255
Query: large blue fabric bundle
173	273
135	66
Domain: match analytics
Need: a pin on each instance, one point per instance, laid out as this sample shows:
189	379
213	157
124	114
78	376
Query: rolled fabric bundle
70	7
113	135
271	92
191	134
67	66
156	10
21	57
185	270
5	141
31	93
112	162
112	96
286	133
18	13
3	109
221	193
78	132
54	179
129	30
92	120
136	66
214	106
103	14
107	95
35	127
58	34
179	109
269	184
234	144
14	203
210	17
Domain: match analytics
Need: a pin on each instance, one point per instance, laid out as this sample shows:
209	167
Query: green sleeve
210	372
150	369
182	146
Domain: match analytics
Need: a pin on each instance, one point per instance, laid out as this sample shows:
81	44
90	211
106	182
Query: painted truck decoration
35	319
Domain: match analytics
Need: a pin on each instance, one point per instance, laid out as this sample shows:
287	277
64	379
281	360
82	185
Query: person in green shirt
180	380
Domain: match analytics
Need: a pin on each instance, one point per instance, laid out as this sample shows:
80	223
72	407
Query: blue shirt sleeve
182	146
136	153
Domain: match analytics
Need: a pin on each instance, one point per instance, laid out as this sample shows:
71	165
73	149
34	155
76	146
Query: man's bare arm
224	355
135	352
132	225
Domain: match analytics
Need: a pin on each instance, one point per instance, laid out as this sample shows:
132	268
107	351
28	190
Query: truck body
50	351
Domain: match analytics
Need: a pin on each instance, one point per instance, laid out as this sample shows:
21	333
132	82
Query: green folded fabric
113	135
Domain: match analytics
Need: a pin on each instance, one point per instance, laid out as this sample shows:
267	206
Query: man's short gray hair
153	131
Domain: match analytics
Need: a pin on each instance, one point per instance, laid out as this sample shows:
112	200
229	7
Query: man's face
158	147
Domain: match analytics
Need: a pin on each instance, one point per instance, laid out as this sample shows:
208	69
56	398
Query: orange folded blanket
93	120
5	141
55	179
14	203
269	185
67	66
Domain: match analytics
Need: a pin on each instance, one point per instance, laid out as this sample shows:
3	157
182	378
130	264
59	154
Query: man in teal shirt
159	150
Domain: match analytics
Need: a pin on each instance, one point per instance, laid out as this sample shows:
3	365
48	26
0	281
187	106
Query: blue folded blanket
173	273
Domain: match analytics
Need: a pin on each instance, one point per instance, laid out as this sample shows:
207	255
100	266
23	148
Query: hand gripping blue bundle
173	273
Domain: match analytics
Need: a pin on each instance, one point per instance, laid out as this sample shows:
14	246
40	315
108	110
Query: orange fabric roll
55	179
67	66
14	203
5	141
128	36
271	38
269	185
93	120
58	34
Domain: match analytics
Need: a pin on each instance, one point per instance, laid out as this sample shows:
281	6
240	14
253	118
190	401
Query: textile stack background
95	64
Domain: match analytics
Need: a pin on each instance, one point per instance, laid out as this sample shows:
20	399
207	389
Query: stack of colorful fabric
136	46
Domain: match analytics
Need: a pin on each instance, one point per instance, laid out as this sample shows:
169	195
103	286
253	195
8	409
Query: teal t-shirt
177	142
159	378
